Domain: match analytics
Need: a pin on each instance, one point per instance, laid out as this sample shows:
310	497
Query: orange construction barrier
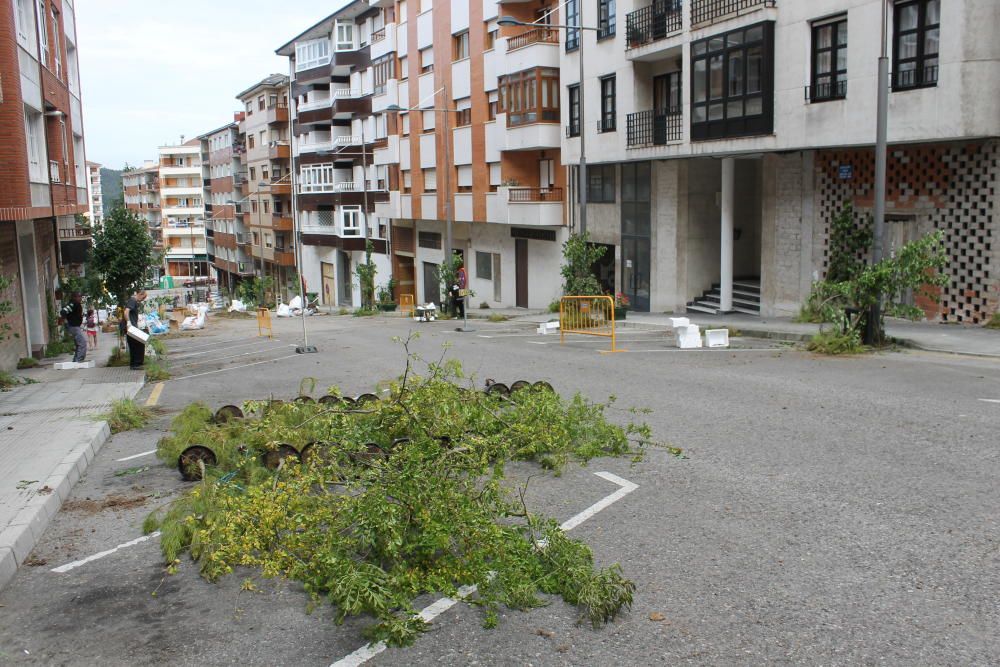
590	316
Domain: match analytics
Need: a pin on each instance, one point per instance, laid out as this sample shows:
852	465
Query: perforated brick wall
951	187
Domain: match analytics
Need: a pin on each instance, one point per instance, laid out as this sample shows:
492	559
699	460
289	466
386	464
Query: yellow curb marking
155	395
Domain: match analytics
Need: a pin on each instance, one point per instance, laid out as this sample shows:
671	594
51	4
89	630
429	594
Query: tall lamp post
881	139
510	21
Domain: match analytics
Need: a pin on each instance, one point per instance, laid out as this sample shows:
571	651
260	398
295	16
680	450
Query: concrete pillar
726	242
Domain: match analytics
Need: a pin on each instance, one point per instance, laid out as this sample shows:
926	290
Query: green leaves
122	253
579	256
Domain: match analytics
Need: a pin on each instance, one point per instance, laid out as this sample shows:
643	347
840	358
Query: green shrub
58	347
27	362
126	415
554	306
156	370
834	342
994	323
8	381
497	317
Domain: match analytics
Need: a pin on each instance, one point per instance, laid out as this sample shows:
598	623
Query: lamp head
509	21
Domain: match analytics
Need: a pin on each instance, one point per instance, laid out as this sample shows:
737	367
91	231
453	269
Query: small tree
579	256
448	276
122	253
366	278
849	240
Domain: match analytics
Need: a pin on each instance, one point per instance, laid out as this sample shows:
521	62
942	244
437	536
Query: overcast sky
152	71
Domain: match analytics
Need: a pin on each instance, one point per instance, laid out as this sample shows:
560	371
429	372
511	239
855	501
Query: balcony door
666	102
546	174
346	295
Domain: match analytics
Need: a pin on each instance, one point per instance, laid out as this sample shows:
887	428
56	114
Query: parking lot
829	511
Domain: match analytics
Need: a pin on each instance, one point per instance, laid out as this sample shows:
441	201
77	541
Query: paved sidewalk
49	433
950	338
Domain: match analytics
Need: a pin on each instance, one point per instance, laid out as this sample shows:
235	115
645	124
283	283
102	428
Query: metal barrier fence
590	316
405	304
264	322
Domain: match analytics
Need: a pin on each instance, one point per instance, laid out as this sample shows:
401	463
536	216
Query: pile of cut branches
399	497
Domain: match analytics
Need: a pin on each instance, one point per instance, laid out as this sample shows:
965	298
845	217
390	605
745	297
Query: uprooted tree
398	497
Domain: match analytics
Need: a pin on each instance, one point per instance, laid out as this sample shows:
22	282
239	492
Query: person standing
136	349
91	327
74	327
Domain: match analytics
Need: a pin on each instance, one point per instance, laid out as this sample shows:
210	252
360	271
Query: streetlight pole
447	178
881	139
305	348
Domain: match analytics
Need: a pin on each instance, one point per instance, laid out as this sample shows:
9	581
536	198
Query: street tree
123	253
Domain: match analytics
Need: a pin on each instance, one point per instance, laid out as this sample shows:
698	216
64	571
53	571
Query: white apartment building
767	109
95	196
182	209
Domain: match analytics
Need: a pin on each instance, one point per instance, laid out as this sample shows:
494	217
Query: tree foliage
366	278
122	253
6	305
579	256
398	498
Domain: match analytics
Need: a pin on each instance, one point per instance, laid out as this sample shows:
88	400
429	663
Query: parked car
199	282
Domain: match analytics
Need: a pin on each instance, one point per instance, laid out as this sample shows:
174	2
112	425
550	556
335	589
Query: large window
531	96
608	105
573	93
460	46
314	53
829	60
601	183
383	69
350	221
572	18
345	35
732	83
315	178
605	19
43	31
916	32
35	132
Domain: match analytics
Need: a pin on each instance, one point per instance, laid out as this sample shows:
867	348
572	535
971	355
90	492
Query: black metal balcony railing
710	11
915	78
821	92
527	195
608	124
653	22
653	128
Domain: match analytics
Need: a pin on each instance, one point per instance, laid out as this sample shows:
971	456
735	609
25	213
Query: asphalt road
830	512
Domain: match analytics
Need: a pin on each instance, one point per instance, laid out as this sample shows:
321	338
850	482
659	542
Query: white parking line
77	563
137	456
432	611
184	355
990	400
233	368
199	362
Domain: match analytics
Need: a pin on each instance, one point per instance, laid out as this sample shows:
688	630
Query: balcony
348	101
654	128
531	136
383	41
280	186
538	47
534	207
75	233
277	113
281	223
647	30
709	12
279	150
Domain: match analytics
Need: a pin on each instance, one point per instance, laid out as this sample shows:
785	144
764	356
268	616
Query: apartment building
95	196
182	210
43	176
224	177
414	123
141	195
722	137
266	206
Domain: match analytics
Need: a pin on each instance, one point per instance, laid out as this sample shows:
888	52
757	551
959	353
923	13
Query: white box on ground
72	365
688	337
716	337
676	322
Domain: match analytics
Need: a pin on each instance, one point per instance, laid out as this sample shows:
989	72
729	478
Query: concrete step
716	299
699	308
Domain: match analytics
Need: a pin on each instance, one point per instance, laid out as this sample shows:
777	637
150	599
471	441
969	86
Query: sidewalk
949	338
49	433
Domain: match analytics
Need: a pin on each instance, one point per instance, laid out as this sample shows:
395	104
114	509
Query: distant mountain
111	188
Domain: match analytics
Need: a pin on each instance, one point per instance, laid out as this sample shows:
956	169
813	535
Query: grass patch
554	306
364	312
158	346
58	347
119	357
8	381
234	315
497	317
156	370
343	311
834	342
994	323
27	362
126	415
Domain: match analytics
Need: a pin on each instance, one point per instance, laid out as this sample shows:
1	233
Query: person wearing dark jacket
136	349
73	314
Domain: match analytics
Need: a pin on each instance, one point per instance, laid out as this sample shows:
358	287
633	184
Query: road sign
845	172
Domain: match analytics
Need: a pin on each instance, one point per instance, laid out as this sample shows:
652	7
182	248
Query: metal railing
523	195
821	92
914	78
653	128
535	36
378	36
710	11
589	316
652	23
608	124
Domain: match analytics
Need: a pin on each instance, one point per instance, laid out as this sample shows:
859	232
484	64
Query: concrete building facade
43	176
182	210
141	195
724	135
95	195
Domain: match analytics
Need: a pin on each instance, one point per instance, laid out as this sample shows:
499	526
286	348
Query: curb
19	538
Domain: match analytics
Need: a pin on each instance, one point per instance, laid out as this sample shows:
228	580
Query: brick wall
14	191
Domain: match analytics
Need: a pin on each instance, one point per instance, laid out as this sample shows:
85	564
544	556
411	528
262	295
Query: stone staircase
746	298
215	300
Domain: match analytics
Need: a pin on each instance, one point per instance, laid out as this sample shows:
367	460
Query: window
261	104
491	35
314	53
429	240
253	170
829	60
492	98
350	220
460	46
405	123
34	132
249	108
43	31
463	176
24	22
383	69
916	34
57	50
601	183
572	18
407	180
266	205
404	69
732	83
428	120
263	174
345	35
495	175
426	61
605	19
463	112
316	178
430	180
484	265
574	110
608	105
531	96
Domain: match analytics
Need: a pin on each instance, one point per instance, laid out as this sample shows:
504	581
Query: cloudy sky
152	71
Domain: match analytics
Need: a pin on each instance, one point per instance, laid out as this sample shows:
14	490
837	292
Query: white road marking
184	355
77	563
137	456
228	356
233	368
432	611
990	400
537	342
